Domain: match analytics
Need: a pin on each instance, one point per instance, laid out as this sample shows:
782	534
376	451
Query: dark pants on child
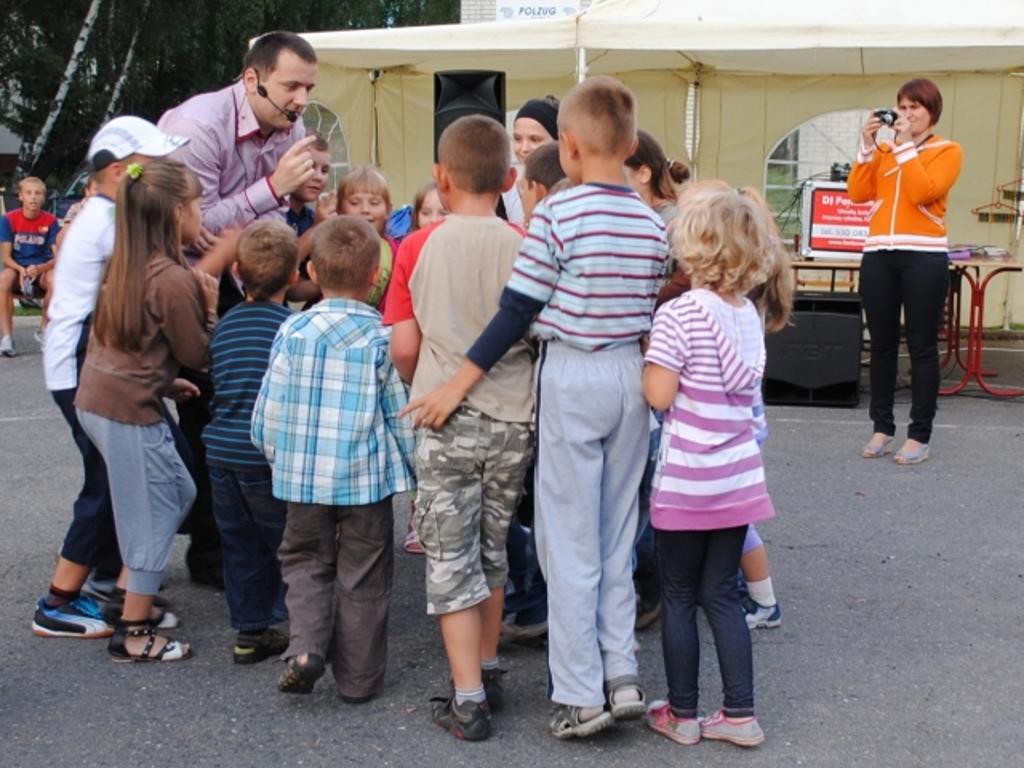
528	599
337	562
251	523
701	565
91	539
918	283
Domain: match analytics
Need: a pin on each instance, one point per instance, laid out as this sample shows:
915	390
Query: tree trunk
30	153
129	59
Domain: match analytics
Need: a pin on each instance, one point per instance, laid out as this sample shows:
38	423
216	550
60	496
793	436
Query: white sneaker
40	337
764	616
7	347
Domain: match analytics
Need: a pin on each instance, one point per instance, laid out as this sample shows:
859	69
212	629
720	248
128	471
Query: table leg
976	340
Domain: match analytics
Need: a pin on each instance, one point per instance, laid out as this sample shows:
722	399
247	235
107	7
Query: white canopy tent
759	69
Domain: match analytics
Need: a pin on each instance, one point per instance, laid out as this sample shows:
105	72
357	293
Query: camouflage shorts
469	478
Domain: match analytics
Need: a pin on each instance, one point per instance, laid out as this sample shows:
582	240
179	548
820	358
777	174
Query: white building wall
829	138
484	10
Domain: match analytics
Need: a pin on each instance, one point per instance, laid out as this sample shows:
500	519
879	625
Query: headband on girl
543	112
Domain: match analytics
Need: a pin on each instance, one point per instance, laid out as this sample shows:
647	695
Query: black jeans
917	283
703	564
91	539
203	556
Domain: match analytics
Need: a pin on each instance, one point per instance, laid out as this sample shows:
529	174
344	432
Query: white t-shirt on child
77	277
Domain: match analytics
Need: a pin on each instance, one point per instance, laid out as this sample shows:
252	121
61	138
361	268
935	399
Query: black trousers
916	283
204	555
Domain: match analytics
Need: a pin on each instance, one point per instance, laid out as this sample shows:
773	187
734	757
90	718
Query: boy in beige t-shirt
446	286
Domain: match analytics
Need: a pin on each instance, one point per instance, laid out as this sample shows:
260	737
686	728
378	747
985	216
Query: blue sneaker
762	616
82	617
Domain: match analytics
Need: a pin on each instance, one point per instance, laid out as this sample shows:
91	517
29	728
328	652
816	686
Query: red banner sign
837	224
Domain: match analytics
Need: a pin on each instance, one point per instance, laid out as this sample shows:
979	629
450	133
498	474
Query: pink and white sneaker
659	718
741	731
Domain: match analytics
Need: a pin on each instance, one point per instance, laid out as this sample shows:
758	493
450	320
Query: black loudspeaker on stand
816	360
467	92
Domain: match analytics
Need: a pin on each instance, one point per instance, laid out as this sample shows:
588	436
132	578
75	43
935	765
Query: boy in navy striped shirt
584	284
250	519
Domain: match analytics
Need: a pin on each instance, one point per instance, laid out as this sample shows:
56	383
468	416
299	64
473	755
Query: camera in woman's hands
887	116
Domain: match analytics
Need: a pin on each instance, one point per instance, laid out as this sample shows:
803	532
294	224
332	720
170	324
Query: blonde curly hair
724	240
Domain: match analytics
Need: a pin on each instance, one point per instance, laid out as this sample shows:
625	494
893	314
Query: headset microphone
291	114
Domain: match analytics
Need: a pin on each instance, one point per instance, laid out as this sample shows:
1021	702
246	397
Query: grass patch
20	311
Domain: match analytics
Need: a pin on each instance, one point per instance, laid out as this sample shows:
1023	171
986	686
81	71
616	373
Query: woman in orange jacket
905	264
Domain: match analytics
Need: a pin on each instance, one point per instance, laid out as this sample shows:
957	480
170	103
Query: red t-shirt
31	239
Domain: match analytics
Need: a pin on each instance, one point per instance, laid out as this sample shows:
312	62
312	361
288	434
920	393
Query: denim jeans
528	598
917	283
703	564
251	523
645	556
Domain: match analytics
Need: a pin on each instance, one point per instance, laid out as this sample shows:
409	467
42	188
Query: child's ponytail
147	224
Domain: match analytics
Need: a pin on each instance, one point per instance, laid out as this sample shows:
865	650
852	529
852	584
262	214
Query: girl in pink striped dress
704	367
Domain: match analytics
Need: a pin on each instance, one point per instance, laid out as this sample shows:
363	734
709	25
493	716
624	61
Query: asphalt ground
900	646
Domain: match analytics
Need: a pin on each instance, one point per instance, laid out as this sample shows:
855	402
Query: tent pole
581	64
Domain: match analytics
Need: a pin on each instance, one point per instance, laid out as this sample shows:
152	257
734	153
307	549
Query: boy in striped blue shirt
250	519
327	419
584	284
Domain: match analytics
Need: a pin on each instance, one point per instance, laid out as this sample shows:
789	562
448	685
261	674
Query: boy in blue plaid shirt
327	420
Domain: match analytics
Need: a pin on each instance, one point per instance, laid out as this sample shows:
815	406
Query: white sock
476	694
489	663
761	592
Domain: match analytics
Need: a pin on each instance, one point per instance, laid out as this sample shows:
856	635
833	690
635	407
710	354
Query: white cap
127	135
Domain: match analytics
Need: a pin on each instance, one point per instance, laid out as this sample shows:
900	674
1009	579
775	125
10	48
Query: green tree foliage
184	47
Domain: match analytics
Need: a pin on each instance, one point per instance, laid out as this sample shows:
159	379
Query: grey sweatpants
151	490
592	438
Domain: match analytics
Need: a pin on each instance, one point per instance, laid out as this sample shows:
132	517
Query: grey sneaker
494	688
7	347
659	718
566	723
40	337
469	721
741	731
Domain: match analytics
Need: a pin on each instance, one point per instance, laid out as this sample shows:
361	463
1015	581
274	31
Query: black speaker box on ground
467	92
816	360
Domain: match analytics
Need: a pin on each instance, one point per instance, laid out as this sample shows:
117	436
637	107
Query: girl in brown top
154	314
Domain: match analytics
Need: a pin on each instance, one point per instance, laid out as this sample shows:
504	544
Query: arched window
319	118
809	152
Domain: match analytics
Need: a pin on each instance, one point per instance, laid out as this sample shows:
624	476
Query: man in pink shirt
247	146
247	142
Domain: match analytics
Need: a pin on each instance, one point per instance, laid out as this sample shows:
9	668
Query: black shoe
208	577
300	678
469	721
254	647
493	688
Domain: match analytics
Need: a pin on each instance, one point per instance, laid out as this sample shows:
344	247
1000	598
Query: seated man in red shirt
27	250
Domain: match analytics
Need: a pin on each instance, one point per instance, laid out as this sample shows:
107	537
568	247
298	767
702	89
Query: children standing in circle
154	315
704	366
